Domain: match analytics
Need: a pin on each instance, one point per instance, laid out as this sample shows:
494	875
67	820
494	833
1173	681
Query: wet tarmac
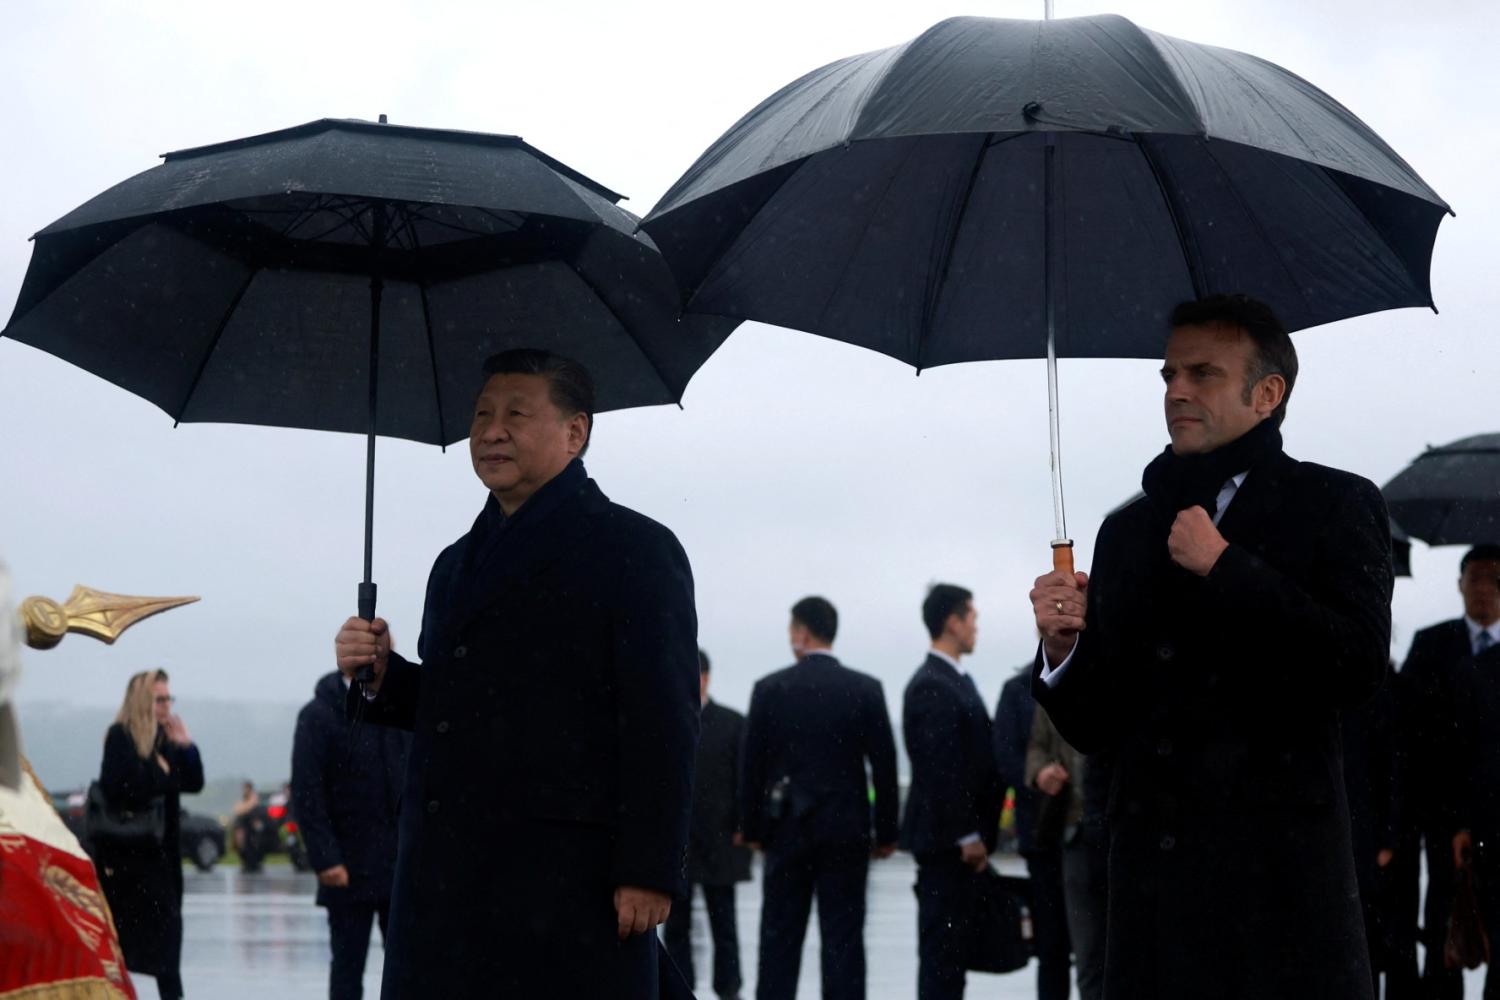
254	936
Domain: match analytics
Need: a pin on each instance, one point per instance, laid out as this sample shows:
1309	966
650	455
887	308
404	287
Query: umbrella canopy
353	276
899	199
232	282
1450	495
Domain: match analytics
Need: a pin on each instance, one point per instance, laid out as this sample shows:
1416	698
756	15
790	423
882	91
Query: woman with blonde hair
148	758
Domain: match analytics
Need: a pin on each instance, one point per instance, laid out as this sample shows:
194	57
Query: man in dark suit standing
1476	689
555	712
812	729
717	857
346	796
953	806
1233	612
1426	712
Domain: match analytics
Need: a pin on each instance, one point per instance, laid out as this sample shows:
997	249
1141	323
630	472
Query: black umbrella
302	277
1400	550
1025	189
1450	495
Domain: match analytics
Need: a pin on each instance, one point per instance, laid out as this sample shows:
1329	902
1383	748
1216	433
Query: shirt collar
947	659
1475	628
816	652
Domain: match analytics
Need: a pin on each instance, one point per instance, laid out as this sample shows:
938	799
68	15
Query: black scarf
1176	482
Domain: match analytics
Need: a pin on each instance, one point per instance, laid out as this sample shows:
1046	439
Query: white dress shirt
1051	675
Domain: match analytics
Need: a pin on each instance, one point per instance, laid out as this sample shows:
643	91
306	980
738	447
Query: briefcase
1002	934
1466	946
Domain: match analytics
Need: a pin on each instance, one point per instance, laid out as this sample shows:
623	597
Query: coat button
442	727
432	806
1165	652
1167	842
1164	748
460	652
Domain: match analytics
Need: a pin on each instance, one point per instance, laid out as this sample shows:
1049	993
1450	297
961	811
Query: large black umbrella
1450	495
1025	189
353	276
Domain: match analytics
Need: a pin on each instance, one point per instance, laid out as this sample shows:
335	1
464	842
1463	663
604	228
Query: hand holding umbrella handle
366	673
1062	556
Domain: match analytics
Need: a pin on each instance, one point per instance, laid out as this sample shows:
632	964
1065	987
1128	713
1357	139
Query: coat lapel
1257	500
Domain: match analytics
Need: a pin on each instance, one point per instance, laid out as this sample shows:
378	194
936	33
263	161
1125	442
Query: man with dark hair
554	714
953	806
716	858
1234	611
1430	757
804	799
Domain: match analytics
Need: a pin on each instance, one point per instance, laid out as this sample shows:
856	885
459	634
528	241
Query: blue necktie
1482	642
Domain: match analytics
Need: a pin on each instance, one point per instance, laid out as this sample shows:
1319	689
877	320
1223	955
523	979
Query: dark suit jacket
1426	720
955	787
1476	746
817	723
713	858
346	794
1014	715
555	714
1230	855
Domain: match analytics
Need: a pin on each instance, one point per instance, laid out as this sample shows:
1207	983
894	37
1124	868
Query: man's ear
579	429
1269	392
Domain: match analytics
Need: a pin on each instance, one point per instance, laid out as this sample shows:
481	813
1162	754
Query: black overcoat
819	724
346	794
554	717
144	885
713	857
955	785
1231	872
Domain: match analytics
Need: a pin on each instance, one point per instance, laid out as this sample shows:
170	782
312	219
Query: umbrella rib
655	368
213	344
1185	239
1255	221
437	385
935	291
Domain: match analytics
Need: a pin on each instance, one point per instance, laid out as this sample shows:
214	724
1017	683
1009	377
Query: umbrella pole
1062	545
367	588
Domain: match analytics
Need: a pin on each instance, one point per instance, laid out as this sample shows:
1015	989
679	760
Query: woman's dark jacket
144	885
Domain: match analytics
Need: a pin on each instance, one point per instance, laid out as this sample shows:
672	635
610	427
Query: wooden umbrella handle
1062	556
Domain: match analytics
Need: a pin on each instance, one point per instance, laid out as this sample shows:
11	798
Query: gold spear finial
89	612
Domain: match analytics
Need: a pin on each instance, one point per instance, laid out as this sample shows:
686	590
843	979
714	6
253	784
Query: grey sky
798	465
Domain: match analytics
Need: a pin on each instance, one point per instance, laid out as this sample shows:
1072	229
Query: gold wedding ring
1059	606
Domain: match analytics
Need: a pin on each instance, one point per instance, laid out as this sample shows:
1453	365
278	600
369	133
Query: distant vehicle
269	828
201	837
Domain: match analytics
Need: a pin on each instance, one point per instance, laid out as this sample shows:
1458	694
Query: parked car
201	838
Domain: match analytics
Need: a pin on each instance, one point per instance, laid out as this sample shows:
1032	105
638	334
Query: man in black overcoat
1233	612
953	806
812	730
717	856
1427	716
346	796
554	716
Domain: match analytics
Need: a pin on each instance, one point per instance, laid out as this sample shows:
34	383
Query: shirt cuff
972	838
1051	675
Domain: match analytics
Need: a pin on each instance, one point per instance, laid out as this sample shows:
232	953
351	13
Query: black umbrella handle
366	673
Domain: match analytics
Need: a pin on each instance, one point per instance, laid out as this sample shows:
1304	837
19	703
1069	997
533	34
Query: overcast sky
797	466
